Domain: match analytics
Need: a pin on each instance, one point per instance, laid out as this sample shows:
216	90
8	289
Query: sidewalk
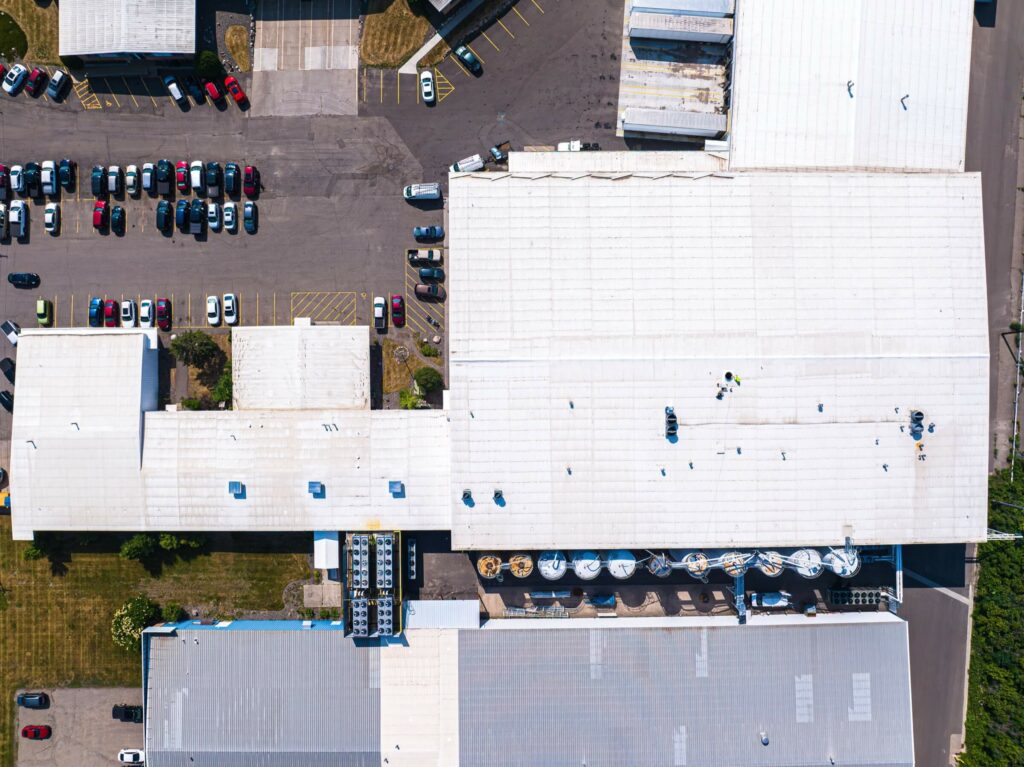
409	67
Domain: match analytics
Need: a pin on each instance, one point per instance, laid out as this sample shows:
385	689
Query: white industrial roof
842	302
301	367
91	27
76	431
797	62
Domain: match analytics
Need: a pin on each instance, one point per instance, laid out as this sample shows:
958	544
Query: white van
468	165
422	192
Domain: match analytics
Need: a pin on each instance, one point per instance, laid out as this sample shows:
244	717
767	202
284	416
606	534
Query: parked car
431	191
232	87
131	756
49	178
66	173
213	179
7	368
213	310
11	330
380	314
231	176
195	171
181	175
250	217
431	273
398	311
95	312
131	179
19	219
468	59
125	713
98	177
196	216
128	313
213	216
174	89
114	181
33	177
195	89
33	731
24	280
110	313
148	176
251	182
770	599
33	700
433	290
44	312
15	80
146	314
18	179
181	214
230	309
427	86
163	314
231	216
163	176
4	232
118	220
5	180
164	217
36	81
214	92
423	255
51	218
99	214
58	82
428	232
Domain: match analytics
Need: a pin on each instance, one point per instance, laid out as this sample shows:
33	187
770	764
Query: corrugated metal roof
261	699
797	62
682	696
686	7
675	121
673	26
842	301
89	27
441	614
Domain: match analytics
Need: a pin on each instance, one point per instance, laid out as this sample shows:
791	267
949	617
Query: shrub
428	349
208	65
408	400
140	546
172	613
428	379
130	620
222	390
191	403
194	348
33	552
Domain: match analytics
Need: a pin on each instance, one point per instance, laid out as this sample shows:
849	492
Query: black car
33	699
117	219
197	213
25	280
231	179
66	173
7	400
164	176
195	89
181	214
125	713
468	59
33	179
431	273
99	181
7	368
163	215
213	179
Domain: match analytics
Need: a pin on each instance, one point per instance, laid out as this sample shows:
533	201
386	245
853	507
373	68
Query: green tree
172	613
427	349
194	348
428	379
208	65
141	546
130	620
408	400
222	390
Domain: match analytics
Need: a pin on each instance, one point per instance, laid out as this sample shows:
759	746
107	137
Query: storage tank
696	563
621	564
735	563
551	565
843	562
489	566
586	565
660	566
770	563
807	562
520	565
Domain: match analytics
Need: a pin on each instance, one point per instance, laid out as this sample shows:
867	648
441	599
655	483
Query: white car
148	176
17	178
4	232
15	79
51	218
230	309
131	756
195	172
49	178
114	179
131	179
427	86
146	314
213	219
19	218
128	313
213	310
231	216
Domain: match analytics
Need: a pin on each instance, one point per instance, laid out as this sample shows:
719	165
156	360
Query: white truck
423	255
468	164
380	314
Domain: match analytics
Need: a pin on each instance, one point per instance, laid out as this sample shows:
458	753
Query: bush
141	546
172	613
33	552
195	349
428	349
130	620
222	390
208	65
172	542
408	400
191	403
428	379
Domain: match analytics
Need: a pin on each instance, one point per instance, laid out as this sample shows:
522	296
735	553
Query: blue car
431	273
428	232
181	214
95	312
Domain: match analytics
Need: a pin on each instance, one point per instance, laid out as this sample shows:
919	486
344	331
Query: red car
111	313
213	91
163	314
99	214
235	89
36	80
397	311
251	181
36	731
181	176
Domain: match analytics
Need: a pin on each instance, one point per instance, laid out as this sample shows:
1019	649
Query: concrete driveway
84	734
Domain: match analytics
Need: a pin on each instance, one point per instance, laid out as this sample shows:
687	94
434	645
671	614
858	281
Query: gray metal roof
261	698
687	696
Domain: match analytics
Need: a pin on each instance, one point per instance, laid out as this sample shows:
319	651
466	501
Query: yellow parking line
538	5
461	68
130	92
382	86
476	54
517	13
488	39
502	24
398	88
112	94
148	91
257	308
71	314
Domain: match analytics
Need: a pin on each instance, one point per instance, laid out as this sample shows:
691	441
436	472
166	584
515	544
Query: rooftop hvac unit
360	561
236	489
360	617
386	616
385	562
317	489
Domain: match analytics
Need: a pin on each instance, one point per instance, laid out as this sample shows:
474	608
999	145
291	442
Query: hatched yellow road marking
322	306
444	85
85	94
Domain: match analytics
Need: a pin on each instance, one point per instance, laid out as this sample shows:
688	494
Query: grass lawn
39	23
55	629
398	375
392	32
236	38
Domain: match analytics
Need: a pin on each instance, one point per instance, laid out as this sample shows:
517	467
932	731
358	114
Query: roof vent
396	488
317	489
236	489
671	424
916	425
499	497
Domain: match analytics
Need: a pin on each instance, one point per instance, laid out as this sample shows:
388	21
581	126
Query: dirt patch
397	373
392	32
236	40
38	26
200	382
